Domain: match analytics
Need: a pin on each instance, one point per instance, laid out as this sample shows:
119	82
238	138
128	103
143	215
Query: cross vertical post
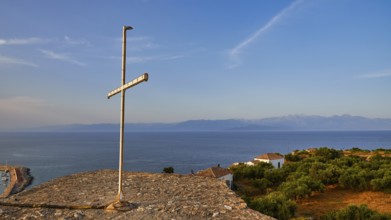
124	86
122	120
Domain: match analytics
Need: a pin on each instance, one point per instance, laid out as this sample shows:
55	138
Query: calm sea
51	155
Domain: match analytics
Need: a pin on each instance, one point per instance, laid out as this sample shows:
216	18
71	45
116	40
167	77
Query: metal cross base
121	206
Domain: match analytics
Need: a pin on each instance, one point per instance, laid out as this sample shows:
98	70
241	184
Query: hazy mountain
337	122
291	122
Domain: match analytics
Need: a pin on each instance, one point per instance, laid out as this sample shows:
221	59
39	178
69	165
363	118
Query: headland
20	178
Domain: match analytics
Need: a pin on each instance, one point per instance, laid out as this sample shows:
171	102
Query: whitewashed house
252	162
219	173
276	160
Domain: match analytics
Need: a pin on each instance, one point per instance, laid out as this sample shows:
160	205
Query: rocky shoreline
24	179
20	178
155	196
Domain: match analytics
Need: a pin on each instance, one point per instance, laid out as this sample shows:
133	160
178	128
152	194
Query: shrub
251	172
354	212
382	184
262	184
275	204
301	187
292	157
355	178
328	153
168	170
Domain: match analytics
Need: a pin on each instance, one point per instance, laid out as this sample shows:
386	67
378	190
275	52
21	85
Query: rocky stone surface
155	196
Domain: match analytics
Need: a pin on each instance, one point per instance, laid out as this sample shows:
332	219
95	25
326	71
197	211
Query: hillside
317	181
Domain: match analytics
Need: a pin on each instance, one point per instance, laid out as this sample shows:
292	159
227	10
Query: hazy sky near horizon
206	60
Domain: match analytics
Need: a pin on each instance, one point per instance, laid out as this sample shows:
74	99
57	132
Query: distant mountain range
285	123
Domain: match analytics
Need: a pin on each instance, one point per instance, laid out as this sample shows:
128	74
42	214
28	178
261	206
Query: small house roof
215	172
255	161
312	149
270	156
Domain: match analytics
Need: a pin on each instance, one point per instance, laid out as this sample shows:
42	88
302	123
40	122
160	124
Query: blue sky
206	60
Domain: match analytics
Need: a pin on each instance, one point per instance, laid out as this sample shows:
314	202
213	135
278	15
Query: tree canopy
303	174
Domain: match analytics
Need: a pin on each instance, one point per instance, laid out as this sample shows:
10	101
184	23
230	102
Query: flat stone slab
154	196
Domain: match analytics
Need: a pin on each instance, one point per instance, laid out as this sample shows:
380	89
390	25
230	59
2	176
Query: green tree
356	149
355	178
262	184
301	187
330	174
251	172
348	161
292	157
275	176
328	153
354	212
275	204
168	170
383	183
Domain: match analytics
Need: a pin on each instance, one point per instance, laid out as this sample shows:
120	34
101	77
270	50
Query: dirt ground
335	198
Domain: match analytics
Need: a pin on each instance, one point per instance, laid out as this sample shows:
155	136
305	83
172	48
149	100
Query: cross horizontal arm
128	85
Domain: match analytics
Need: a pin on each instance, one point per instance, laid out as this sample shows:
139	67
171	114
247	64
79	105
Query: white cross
122	90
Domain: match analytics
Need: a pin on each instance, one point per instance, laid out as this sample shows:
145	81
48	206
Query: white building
219	173
252	163
276	160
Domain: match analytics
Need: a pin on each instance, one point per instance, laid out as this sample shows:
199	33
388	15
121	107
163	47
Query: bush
328	153
382	184
330	175
275	204
301	187
292	157
168	170
262	184
354	178
275	176
356	149
348	161
251	172
353	212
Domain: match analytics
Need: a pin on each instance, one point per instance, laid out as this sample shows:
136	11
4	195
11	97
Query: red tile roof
269	156
215	172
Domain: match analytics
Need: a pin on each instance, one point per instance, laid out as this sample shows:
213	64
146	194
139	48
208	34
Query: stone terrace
157	196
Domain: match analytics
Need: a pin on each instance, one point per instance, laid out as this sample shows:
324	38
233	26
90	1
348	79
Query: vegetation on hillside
274	191
354	212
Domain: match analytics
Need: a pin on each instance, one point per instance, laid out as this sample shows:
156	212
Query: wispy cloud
14	61
73	41
175	57
35	40
139	43
234	53
20	103
380	74
23	41
143	59
139	59
61	57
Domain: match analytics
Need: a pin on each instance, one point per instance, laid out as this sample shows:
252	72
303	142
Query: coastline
20	178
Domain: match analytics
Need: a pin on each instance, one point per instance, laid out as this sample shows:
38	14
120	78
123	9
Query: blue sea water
50	155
